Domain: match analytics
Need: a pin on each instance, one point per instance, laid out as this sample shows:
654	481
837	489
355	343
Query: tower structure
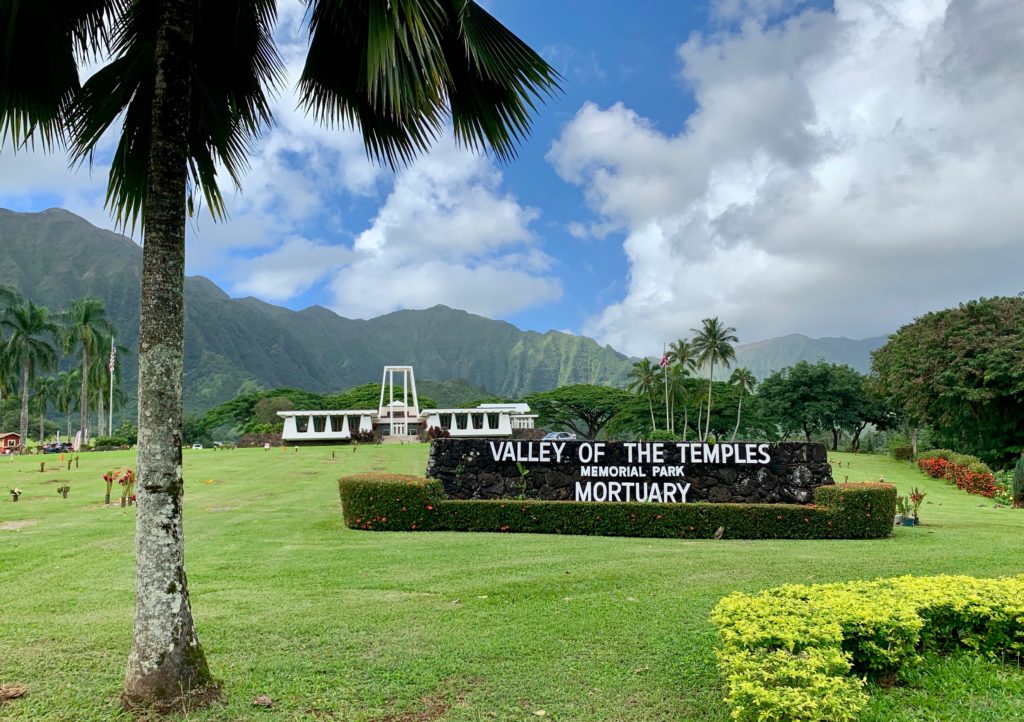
396	414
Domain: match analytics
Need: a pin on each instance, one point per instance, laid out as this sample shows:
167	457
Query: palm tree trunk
686	421
707	426
23	430
42	430
100	426
665	370
739	410
700	419
650	403
166	662
83	400
672	412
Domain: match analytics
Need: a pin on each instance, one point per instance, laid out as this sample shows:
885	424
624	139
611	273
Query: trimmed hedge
806	652
408	503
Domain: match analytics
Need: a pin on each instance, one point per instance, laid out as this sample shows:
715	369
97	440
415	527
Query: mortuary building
398	417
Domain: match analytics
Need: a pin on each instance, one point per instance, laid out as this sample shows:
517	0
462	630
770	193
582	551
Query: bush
1018	483
903	453
108	442
804	652
403	503
967	472
364	437
257	440
437	432
661	435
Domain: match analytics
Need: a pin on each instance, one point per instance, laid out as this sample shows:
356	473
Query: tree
819	397
188	80
85	320
641	381
584	408
743	380
44	390
682	362
32	341
712	345
959	371
65	394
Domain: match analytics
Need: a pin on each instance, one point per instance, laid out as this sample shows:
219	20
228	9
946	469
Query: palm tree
66	391
99	376
744	380
33	343
188	83
641	380
713	345
44	390
9	298
680	356
83	320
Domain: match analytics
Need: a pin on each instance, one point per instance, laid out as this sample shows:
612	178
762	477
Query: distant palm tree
745	381
9	297
83	320
99	376
66	391
681	357
32	341
44	389
713	344
642	380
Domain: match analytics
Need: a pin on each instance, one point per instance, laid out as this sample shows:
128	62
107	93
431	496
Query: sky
789	166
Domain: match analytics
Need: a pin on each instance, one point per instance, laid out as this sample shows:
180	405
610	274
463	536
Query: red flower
430	508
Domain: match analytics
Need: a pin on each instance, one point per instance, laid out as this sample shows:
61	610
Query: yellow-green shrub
804	652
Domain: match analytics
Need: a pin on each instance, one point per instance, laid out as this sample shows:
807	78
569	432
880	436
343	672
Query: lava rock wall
753	472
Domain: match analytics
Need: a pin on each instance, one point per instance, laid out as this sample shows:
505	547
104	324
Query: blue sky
790	166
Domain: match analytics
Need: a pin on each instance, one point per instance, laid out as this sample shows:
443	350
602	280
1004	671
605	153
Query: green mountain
54	257
765	357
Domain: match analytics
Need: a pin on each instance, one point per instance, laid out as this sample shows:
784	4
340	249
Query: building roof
10	433
519	408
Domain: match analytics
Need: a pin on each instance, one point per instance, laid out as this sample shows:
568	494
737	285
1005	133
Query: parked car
54	448
559	436
197	446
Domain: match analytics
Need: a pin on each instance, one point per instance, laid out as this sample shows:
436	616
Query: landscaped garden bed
807	653
384	502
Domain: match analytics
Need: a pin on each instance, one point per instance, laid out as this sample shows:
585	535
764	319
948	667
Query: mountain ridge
55	256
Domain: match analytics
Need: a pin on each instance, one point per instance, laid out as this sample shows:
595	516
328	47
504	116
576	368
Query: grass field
410	627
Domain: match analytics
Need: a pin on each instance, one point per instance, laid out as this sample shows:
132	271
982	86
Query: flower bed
377	502
967	472
806	652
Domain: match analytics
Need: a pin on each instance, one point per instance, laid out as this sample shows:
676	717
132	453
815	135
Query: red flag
664	361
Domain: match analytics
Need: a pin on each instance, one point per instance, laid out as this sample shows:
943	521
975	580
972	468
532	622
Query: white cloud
842	172
729	10
290	269
446	234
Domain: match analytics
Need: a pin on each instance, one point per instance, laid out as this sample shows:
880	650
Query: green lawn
404	627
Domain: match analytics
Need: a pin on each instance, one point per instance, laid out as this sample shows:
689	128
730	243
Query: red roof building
10	442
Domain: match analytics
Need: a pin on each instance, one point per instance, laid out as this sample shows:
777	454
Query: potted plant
901	510
916	497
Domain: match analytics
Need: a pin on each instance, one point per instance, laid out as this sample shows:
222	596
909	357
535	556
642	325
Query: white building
402	419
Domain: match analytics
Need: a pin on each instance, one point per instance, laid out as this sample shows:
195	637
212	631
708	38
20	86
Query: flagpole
110	422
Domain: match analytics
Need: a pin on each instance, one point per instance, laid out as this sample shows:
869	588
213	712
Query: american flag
664	361
113	356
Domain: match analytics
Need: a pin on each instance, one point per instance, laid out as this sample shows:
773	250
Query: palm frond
235	68
397	70
42	43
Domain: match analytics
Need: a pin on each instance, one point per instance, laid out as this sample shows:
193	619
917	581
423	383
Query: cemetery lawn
334	624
